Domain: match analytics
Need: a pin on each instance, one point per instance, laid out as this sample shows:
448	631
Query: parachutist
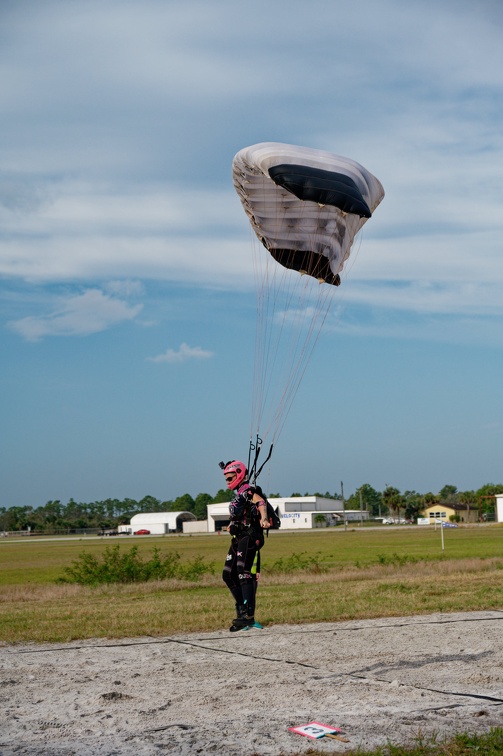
248	519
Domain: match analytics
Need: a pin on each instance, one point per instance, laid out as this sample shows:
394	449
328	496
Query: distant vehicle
390	521
142	532
109	533
449	525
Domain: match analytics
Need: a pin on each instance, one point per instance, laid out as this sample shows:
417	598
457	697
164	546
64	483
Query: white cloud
197	260
94	190
184	353
59	208
126	288
79	315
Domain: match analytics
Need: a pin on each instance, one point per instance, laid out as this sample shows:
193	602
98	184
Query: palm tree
467	498
392	499
429	499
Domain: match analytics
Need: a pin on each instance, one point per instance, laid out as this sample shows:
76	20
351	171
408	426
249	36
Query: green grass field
312	576
333	575
463	744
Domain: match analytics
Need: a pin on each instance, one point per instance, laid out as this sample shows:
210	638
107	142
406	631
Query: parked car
142	532
396	521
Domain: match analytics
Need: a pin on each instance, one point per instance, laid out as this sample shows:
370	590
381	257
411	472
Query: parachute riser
253	473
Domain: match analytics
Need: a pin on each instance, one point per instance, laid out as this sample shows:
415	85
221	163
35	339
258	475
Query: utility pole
361	508
343	506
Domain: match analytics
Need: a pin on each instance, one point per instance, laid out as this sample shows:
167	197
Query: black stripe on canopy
310	263
324	187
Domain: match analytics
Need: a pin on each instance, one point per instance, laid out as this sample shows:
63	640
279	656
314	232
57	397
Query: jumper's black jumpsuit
242	562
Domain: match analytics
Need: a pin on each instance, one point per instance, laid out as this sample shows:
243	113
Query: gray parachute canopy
306	206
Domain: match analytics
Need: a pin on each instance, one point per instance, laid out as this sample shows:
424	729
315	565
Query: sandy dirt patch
237	693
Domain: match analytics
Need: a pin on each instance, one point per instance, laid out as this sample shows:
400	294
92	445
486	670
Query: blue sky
127	300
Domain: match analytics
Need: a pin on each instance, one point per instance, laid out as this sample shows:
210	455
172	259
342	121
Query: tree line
54	515
393	502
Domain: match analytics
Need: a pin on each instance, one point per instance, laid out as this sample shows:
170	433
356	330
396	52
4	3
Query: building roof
455	507
307	504
289	504
163	518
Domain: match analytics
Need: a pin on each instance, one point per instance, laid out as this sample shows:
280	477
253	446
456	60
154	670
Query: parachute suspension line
321	310
261	338
355	251
265	353
258	355
291	392
278	322
291	311
311	312
305	208
265	273
273	283
304	352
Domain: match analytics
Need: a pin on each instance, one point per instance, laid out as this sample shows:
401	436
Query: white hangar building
159	523
296	512
499	507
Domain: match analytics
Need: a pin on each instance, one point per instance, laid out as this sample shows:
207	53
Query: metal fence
51	532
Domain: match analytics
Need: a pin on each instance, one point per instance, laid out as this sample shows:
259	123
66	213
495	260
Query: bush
129	567
396	559
299	562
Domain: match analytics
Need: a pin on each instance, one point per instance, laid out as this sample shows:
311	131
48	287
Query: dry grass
68	612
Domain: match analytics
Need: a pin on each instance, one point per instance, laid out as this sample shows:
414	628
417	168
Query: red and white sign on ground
315	730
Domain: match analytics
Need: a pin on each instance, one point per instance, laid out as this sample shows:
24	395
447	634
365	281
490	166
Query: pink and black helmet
241	473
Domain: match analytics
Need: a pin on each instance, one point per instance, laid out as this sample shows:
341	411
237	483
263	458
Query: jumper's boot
243	619
255	624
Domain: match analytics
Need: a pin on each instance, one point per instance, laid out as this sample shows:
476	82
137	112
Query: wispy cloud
184	353
126	288
79	315
139	202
